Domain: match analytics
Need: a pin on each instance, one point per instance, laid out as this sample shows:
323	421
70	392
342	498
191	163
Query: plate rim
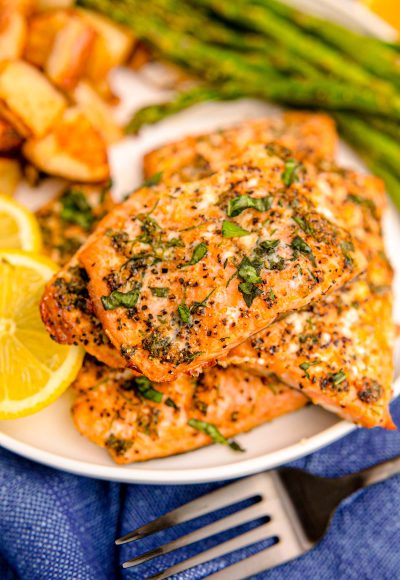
127	474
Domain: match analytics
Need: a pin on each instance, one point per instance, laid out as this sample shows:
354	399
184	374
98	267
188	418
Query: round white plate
49	436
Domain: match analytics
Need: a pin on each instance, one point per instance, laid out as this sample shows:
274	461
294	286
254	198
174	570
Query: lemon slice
18	227
34	370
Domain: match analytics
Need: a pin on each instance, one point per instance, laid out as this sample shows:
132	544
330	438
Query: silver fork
299	507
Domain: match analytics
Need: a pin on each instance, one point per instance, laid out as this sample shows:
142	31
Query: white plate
49	436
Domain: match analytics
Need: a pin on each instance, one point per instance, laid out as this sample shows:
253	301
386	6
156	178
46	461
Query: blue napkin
54	525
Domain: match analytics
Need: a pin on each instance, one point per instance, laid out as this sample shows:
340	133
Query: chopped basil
266	247
76	209
291	172
248	271
306	365
120	299
337	378
232	230
242	202
346	248
276	263
159	292
199	252
152	180
171	403
184	313
144	387
299	245
213	432
304	225
195	306
249	291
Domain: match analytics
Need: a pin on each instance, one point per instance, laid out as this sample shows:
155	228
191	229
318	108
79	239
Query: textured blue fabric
54	525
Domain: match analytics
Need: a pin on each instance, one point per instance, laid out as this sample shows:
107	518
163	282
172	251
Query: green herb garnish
232	230
144	387
337	378
291	172
159	292
152	180
171	403
363	201
306	365
195	306
266	247
184	313
213	432
119	299
249	291
346	248
239	204
76	209
299	245
199	252
304	225
248	271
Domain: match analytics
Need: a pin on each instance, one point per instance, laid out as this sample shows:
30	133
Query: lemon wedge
34	370
18	227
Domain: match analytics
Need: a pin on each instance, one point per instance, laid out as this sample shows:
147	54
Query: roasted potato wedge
74	149
112	47
10	175
28	100
42	31
13	34
97	111
70	52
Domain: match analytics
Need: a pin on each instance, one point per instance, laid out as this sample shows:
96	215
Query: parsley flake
291	173
242	202
299	245
214	433
159	292
232	230
306	365
119	299
199	252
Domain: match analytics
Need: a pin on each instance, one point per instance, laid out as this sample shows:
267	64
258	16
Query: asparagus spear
216	64
378	57
267	22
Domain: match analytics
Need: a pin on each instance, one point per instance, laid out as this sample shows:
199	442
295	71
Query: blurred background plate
49	436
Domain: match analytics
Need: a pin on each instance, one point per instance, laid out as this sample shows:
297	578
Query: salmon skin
69	315
136	420
183	274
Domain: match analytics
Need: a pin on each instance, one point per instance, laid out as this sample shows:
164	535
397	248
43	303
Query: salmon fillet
184	274
67	220
136	420
71	320
311	136
339	351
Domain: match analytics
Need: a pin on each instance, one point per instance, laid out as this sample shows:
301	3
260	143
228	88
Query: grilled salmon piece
184	274
136	420
72	321
311	136
339	351
67	220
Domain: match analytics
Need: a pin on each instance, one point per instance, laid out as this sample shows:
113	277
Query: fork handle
380	472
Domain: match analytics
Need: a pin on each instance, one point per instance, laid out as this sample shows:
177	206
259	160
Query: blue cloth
54	525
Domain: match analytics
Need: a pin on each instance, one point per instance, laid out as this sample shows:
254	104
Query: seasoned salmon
70	319
67	220
183	274
311	136
339	351
136	420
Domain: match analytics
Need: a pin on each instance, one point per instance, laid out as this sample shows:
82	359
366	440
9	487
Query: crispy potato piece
112	47
28	99
73	149
24	7
10	139
97	111
70	52
42	30
10	175
140	56
13	33
110	412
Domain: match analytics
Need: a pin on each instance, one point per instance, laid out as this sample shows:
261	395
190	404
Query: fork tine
241	541
268	558
210	502
236	519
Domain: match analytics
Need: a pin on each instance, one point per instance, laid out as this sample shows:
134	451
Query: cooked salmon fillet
136	420
339	351
311	136
72	321
184	274
67	220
